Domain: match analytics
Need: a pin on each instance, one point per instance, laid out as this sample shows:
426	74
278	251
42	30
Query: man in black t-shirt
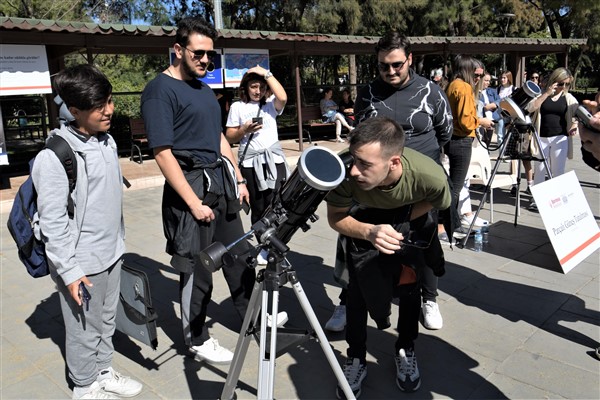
203	187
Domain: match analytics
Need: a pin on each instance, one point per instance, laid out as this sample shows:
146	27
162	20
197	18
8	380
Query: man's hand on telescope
385	238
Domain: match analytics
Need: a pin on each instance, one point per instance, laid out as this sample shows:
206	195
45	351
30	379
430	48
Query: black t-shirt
184	115
553	120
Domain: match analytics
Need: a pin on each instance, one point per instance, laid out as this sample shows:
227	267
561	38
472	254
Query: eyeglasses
561	84
199	54
535	77
384	67
478	75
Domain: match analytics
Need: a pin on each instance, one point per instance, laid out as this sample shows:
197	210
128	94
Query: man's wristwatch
242	182
268	74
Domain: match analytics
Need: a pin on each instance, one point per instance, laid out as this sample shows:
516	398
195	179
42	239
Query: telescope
515	105
319	171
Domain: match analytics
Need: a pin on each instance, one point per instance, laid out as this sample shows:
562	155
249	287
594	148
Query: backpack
32	251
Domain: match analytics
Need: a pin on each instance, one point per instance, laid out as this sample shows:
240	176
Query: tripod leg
241	349
266	381
488	186
539	143
314	322
518	198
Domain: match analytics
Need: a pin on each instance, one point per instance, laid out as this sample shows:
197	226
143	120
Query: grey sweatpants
88	342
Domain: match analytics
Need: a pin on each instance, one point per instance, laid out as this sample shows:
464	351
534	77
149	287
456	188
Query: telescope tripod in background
516	144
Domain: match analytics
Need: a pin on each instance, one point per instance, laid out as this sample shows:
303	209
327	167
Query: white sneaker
115	383
282	318
466	220
94	391
211	352
432	319
337	322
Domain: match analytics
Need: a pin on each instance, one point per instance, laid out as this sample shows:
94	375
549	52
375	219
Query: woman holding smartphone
252	123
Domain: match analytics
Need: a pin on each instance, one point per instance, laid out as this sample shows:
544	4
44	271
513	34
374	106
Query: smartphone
246	206
584	116
257	120
85	296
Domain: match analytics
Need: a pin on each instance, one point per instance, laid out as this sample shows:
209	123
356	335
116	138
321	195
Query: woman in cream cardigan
554	120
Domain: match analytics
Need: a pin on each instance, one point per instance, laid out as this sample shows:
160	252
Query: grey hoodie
94	239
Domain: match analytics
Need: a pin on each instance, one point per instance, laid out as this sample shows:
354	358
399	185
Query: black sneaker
513	191
355	372
533	207
407	372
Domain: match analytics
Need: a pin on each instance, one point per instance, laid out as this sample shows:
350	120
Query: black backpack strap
65	154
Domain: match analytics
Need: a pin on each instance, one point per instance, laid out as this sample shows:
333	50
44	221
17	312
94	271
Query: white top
241	112
505	91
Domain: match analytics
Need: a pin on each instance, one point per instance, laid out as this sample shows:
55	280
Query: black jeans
458	150
409	310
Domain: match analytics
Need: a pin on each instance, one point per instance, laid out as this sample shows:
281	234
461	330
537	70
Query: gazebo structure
61	38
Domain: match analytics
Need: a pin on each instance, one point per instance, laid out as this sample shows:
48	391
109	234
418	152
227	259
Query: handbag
135	314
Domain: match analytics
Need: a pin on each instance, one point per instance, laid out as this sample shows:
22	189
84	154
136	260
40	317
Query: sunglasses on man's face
199	54
384	67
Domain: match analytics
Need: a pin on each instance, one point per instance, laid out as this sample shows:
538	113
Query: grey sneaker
113	382
337	322
407	372
355	372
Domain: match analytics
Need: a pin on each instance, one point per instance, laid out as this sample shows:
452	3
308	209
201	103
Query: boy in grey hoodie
85	251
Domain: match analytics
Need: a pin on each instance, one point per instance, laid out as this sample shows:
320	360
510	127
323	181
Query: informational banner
568	219
23	70
213	79
238	61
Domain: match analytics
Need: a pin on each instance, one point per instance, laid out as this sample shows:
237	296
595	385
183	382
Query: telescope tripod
520	156
277	273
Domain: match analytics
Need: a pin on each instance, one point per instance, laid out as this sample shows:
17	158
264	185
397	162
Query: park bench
313	119
139	140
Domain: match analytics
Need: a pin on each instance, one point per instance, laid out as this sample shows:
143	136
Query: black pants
458	151
409	309
260	200
196	285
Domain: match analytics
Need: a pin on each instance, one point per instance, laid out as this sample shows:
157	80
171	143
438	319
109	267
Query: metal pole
218	14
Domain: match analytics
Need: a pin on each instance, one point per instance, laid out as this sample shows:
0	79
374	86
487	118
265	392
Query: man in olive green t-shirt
391	185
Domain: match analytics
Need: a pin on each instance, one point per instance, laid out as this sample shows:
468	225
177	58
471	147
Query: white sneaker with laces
337	322
466	220
282	318
211	352
94	391
432	319
120	385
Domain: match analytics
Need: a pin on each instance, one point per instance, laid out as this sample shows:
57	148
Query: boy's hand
74	288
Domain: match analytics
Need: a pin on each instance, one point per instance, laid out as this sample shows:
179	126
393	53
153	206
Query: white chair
480	171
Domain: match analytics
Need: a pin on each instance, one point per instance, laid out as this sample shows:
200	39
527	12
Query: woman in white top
252	122
506	85
329	110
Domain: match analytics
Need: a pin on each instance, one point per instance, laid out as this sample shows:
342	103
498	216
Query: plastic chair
480	171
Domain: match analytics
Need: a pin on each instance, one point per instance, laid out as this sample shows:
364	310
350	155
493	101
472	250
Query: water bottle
485	233
478	241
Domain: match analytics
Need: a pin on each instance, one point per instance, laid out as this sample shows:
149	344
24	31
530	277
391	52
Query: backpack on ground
32	251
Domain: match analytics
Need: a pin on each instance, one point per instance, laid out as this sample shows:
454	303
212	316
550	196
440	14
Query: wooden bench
139	140
312	118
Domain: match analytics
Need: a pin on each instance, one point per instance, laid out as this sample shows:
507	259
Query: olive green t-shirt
422	180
